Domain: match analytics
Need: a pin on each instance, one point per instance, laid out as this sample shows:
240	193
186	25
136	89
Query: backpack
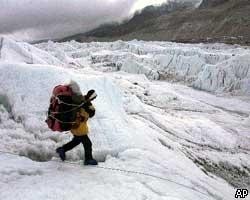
62	110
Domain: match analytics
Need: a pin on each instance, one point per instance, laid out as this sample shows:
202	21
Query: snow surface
142	124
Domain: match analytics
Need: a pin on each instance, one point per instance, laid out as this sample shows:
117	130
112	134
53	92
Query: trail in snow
115	170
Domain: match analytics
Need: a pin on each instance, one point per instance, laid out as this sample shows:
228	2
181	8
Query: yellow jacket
80	128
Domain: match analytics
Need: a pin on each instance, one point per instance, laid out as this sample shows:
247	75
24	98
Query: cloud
32	20
140	4
42	19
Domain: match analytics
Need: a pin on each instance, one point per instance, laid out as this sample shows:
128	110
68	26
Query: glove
91	95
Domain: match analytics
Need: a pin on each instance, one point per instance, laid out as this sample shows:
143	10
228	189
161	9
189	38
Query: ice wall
210	67
28	88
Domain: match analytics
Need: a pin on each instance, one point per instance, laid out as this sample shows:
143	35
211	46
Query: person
80	128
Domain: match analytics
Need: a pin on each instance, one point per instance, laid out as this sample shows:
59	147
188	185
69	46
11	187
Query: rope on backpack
62	122
67	111
62	102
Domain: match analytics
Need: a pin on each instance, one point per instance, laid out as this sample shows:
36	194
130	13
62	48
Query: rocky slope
213	21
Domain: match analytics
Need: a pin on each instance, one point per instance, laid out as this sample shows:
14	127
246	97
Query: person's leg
87	144
70	145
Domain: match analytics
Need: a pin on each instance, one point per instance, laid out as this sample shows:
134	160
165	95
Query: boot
61	153
90	162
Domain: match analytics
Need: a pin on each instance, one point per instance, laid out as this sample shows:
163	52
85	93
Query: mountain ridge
224	21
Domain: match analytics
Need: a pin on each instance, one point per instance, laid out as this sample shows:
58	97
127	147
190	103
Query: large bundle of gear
63	108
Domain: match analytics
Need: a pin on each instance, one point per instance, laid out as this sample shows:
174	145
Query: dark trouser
86	144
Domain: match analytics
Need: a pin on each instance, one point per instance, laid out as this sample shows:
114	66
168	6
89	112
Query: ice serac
213	68
29	87
21	52
230	75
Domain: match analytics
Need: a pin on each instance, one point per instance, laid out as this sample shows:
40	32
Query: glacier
214	68
180	112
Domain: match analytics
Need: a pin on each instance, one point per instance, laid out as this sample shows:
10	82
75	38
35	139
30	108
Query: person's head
91	95
75	87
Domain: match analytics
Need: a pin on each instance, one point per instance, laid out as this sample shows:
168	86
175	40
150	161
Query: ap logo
241	193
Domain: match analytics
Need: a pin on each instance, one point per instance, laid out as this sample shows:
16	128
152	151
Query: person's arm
89	108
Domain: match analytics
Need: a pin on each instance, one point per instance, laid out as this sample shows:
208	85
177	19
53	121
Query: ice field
178	112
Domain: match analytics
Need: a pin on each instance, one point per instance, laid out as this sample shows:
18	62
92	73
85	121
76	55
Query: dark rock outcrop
225	21
211	3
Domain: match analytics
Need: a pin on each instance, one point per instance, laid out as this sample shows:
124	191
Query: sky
31	20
